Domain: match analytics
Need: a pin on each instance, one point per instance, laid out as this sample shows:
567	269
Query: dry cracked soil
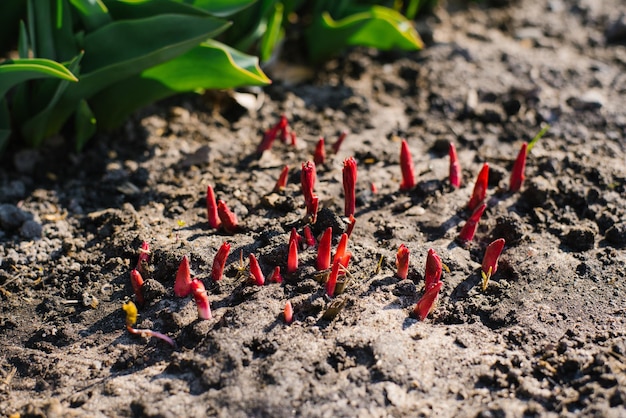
546	338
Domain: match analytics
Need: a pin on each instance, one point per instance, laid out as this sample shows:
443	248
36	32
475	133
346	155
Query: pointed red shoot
270	135
426	304
219	262
349	185
406	165
402	262
288	313
373	188
331	283
294	236
339	141
292	260
455	167
342	248
255	271
517	174
480	188
469	229
292	137
211	208
490	260
307	180
320	152
309	239
323	250
281	183
183	279
201	298
283	127
350	228
432	275
144	259
137	282
312	210
228	218
276	277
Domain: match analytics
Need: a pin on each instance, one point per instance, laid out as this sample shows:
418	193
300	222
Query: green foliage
88	64
95	61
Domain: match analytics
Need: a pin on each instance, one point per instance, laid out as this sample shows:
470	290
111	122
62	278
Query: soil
546	338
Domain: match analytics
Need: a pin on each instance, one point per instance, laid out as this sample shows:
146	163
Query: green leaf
65	41
40	23
273	34
5	124
377	27
13	72
537	137
84	124
221	8
211	65
22	41
93	13
139	9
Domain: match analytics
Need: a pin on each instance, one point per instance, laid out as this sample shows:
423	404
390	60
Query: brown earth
547	337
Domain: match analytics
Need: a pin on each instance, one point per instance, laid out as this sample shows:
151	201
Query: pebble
11	217
31	230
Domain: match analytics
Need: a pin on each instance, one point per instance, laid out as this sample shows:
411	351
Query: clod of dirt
580	239
510	227
11	217
31	230
153	290
616	235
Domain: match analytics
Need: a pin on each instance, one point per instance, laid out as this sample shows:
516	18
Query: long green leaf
377	27
41	21
13	72
84	124
273	34
93	13
139	9
65	42
220	8
211	65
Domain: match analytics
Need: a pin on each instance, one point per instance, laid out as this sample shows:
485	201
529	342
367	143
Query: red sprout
406	165
320	153
373	188
288	313
480	188
292	136
182	285
469	229
228	218
339	141
294	236
455	167
517	174
211	208
434	268
342	249
402	262
201	298
270	135
490	260
283	126
349	185
131	319
255	271
323	250
144	259
307	180
312	210
309	239
219	262
351	224
292	260
426	304
281	183
137	282
331	283
276	277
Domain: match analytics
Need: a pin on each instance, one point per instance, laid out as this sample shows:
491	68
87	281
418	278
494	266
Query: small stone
592	100
31	230
616	235
11	217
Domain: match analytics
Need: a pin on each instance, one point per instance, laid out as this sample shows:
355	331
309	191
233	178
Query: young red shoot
276	277
294	236
427	302
182	285
288	313
281	183
339	141
342	250
373	188
292	137
320	152
349	185
406	165
352	220
434	267
219	262
517	174
137	282
455	167
480	188
270	135
323	250
331	283
469	229
307	180
283	126
255	271
292	260
131	319
490	261
201	298
309	239
144	259
312	210
228	218
211	208
402	262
